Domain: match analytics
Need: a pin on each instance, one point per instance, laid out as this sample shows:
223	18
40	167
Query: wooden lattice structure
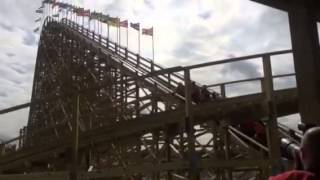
101	111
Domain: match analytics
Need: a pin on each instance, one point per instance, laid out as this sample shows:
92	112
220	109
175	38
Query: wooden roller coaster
100	111
98	106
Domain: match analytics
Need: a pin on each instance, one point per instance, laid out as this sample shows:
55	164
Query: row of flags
103	18
38	11
112	21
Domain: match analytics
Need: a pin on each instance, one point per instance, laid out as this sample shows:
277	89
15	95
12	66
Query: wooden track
142	127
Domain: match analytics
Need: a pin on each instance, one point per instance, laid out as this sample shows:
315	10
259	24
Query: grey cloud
200	32
3	94
188	52
29	39
285	82
6	27
21	12
116	7
205	15
185	49
149	4
243	88
270	32
178	3
19	70
13	75
4	137
10	55
243	69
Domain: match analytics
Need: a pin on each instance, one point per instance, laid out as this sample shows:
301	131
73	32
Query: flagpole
119	32
108	31
117	36
101	27
98	27
127	37
139	41
152	46
94	26
89	24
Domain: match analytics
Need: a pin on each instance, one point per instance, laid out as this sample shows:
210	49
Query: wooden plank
37	176
148	168
292	5
14	108
278	4
305	45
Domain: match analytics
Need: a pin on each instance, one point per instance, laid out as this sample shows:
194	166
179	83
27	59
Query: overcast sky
186	32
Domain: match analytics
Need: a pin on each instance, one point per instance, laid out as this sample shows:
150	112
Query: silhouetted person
309	156
180	90
205	94
248	127
260	132
195	93
215	95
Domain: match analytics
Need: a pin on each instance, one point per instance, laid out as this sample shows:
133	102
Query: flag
95	15
36	29
124	23
76	10
54	4
47	1
39	11
114	21
42	6
83	12
147	31
55	15
104	18
70	7
64	5
37	20
135	26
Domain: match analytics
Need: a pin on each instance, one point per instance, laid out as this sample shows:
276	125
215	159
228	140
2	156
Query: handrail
250	80
235	82
224	61
121	49
248	138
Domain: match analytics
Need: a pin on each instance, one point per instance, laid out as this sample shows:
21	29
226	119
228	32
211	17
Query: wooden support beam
293	5
75	140
270	101
189	122
177	165
14	108
37	176
306	53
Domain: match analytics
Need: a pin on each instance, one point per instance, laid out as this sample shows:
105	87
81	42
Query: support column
305	45
272	124
75	140
189	121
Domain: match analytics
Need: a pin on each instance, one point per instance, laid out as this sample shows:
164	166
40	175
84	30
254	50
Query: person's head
310	150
